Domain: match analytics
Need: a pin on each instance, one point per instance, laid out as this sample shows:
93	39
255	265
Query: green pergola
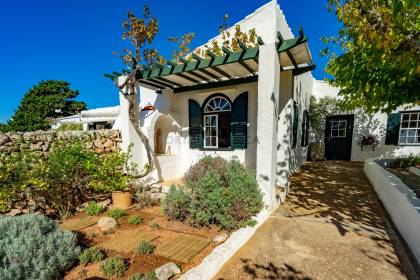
233	67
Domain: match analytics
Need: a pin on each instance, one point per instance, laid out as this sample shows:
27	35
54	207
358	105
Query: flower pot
121	200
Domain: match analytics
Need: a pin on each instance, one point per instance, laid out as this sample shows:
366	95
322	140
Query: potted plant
114	174
368	140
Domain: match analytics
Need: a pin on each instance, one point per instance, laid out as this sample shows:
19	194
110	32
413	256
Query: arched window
217	104
216	122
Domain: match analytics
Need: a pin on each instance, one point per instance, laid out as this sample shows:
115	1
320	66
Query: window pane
405	117
413	124
410	140
414	116
404	124
342	133
403	140
334	125
403	132
213	131
213	141
412	133
207	141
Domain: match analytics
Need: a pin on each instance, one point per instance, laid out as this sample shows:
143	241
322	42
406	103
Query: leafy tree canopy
41	104
378	64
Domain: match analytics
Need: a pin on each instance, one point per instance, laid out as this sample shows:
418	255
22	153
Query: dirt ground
166	231
330	227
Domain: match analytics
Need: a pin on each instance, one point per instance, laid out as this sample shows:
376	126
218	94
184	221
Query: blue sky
74	40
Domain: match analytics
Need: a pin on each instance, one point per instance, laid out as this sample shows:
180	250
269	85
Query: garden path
331	226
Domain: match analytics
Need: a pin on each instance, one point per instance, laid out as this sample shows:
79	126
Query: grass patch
91	255
93	208
135	220
116	213
146	248
114	267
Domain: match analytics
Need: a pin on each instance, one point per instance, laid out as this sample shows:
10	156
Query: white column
268	96
128	134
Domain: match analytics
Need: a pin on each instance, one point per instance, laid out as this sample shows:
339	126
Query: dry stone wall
100	141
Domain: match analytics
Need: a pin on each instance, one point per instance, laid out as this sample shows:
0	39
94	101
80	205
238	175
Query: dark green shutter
305	129
239	122
295	124
195	124
392	129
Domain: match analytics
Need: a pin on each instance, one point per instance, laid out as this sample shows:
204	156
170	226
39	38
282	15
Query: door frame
349	133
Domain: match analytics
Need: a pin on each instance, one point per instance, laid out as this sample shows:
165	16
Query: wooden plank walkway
183	248
126	241
78	224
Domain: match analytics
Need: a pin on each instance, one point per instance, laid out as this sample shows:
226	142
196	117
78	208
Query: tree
377	66
45	101
2	127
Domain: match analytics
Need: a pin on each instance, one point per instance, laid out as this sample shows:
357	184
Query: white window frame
217	108
338	129
217	131
416	128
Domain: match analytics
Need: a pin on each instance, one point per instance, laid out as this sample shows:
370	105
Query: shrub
116	213
155	225
135	220
114	267
114	172
69	126
196	171
225	194
143	276
33	247
144	199
93	208
407	161
145	248
176	204
91	255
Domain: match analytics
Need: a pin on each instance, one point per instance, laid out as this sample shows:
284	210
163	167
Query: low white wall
401	202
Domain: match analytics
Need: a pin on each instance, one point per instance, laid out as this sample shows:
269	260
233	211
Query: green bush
144	199
176	204
116	213
143	276
145	248
33	247
69	126
93	208
407	161
114	267
198	170
135	220
225	194
91	255
114	172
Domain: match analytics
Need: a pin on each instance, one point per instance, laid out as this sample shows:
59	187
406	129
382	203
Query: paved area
331	227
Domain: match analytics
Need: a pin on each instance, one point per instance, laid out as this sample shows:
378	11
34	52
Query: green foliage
114	267
319	110
143	276
376	66
145	248
144	199
93	208
61	177
91	255
407	161
33	247
176	204
113	172
15	169
135	220
44	102
70	126
116	213
225	194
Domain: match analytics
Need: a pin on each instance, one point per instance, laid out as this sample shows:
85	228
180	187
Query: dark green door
338	137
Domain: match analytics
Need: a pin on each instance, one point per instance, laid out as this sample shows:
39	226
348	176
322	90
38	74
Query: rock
82	206
14	212
220	238
105	203
3	138
165	189
98	144
156	189
107	223
108	143
157	197
166	271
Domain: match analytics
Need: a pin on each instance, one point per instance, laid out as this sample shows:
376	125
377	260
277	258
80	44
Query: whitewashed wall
368	124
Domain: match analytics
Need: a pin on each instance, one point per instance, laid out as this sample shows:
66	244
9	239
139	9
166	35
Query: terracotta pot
121	200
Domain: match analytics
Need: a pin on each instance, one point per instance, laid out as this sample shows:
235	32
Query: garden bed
153	224
410	179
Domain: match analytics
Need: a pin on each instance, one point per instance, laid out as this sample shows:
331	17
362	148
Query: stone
105	203
98	144
108	143
166	271
220	238
14	212
165	189
82	206
157	197
107	223
3	139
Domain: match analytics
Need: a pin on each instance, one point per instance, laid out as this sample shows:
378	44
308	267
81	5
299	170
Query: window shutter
305	129
195	124
239	122
295	124
392	129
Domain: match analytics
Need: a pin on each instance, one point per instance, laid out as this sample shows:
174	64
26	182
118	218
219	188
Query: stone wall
100	141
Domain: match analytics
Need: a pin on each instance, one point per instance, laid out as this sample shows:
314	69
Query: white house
397	134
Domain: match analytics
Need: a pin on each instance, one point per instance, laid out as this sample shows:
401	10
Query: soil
410	179
165	231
